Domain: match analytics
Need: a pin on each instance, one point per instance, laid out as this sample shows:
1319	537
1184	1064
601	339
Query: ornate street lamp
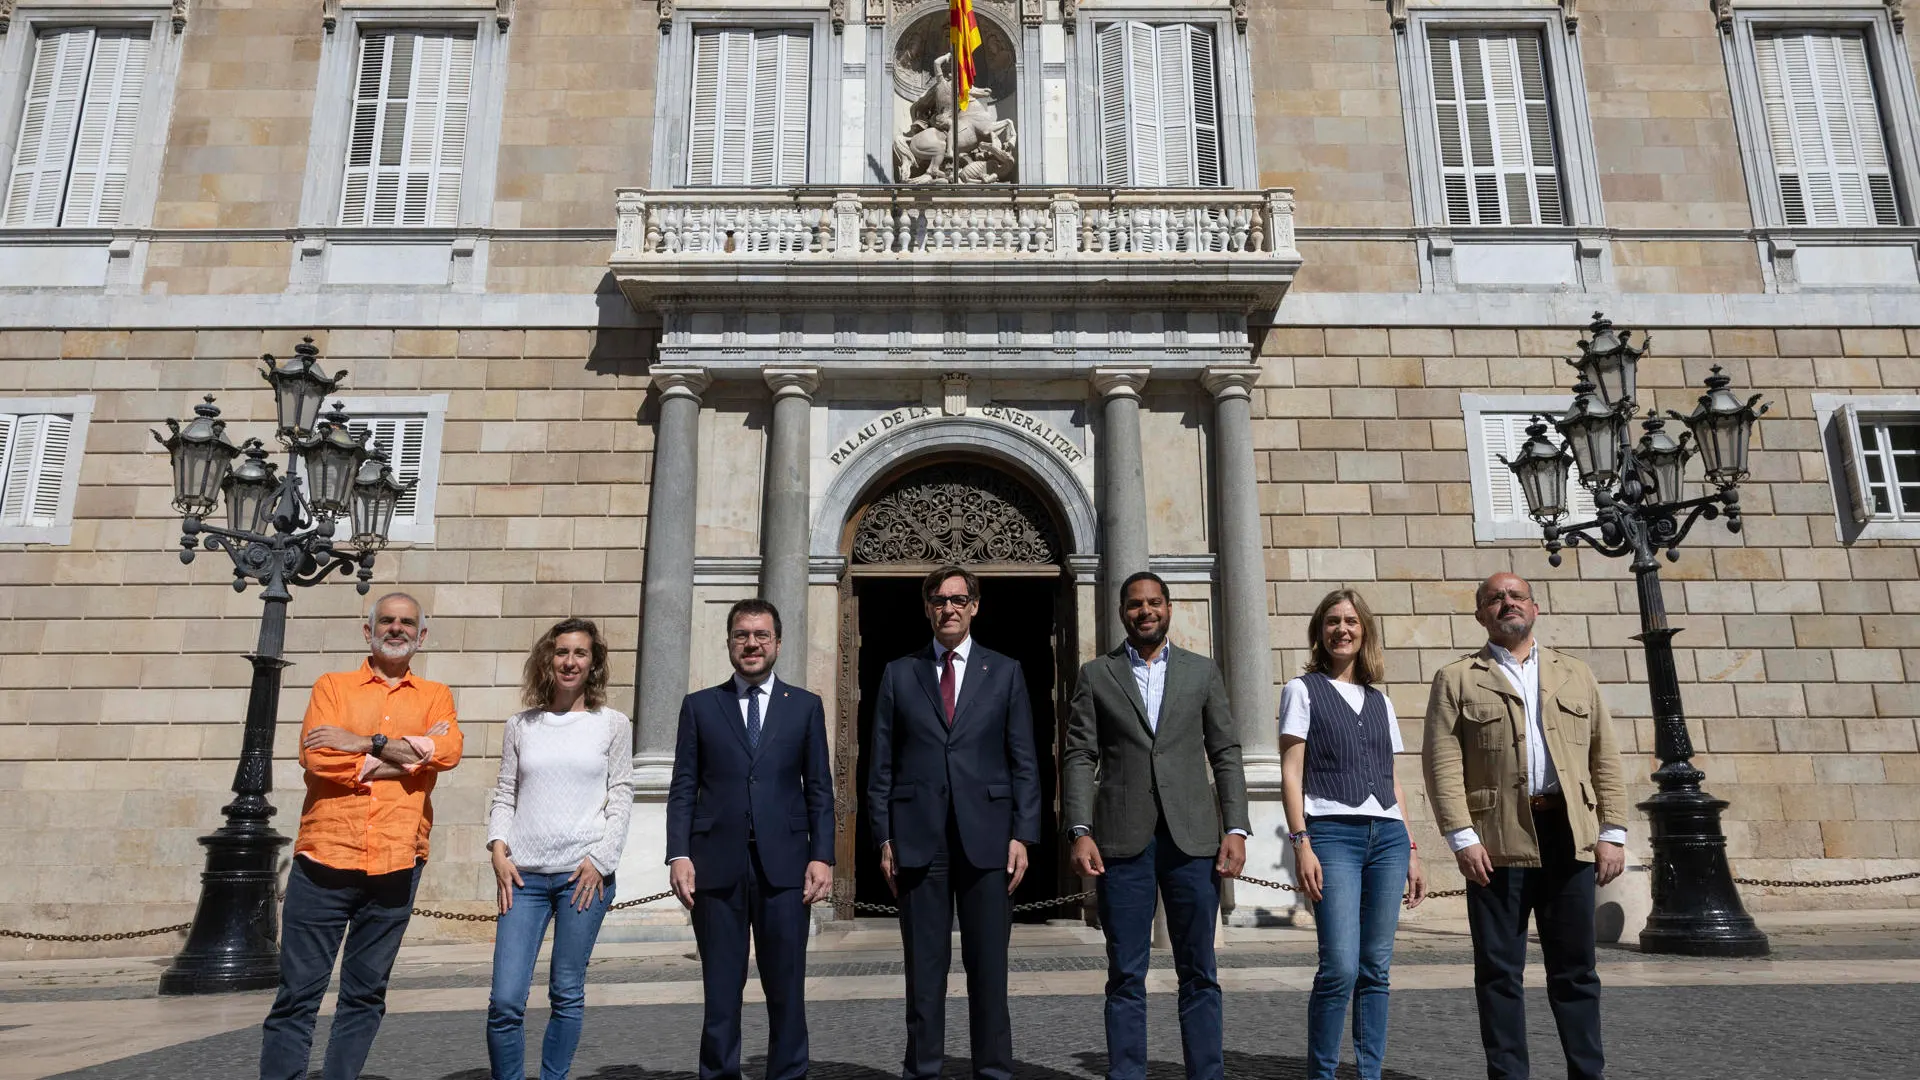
1542	470
1696	909
279	533
376	495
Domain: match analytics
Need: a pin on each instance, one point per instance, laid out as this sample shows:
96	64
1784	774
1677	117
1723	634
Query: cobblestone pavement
1697	1033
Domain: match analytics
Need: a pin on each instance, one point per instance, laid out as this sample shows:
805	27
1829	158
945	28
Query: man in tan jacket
1525	778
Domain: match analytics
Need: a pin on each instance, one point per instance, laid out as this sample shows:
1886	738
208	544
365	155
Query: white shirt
1296	718
960	653
1542	778
743	690
565	790
1150	676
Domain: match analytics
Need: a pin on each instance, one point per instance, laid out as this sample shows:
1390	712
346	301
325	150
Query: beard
1150	637
396	650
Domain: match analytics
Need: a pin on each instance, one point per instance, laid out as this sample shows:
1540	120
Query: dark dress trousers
751	818
951	800
1158	797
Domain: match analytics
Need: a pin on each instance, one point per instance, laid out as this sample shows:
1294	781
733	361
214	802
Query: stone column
1245	653
1123	491
666	618
783	512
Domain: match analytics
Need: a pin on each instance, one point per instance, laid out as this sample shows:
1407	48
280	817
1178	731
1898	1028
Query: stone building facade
654	337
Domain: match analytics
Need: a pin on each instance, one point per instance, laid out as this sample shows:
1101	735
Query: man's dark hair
932	582
1144	575
753	606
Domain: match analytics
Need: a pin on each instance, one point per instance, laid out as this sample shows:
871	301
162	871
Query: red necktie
947	686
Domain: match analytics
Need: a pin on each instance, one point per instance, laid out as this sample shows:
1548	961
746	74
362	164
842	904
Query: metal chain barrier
460	916
1441	894
1782	883
125	935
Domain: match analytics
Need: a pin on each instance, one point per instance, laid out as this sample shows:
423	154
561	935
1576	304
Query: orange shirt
375	826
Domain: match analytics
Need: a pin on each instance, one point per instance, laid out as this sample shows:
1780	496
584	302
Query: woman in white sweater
556	826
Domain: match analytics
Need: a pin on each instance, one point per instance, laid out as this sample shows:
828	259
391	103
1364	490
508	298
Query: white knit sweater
565	790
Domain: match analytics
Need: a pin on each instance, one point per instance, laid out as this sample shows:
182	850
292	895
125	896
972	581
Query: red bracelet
1413	846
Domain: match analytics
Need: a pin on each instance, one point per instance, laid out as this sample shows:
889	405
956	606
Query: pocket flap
1573	708
1480	800
1586	795
999	791
1481	712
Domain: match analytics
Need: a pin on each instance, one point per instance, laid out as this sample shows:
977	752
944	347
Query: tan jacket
1475	755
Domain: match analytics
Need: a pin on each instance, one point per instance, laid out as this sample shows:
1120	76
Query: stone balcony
745	249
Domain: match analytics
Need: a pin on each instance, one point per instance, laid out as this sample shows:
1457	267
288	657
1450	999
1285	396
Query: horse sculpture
985	143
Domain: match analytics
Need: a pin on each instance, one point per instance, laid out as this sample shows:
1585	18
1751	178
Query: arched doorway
960	510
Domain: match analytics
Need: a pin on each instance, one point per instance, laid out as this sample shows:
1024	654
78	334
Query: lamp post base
234	944
1696	909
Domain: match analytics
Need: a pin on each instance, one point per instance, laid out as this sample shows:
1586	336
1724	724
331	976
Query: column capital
1231	380
1111	382
680	380
792	380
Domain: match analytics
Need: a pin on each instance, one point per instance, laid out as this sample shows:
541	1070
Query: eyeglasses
949	599
1510	594
741	637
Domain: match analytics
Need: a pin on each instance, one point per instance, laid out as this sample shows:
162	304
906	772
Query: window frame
79	410
1239	167
1584	209
673	101
426	494
1473	409
1830	412
1894	92
321	191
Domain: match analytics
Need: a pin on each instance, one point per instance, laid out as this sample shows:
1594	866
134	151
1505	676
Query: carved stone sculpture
986	144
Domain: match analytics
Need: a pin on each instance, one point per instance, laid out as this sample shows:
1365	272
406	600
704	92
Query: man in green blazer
1156	801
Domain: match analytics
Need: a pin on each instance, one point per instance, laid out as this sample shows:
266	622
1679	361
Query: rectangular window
749	107
408	143
1159	105
1499	163
1497	427
410	430
1881	463
1825	129
77	126
40	444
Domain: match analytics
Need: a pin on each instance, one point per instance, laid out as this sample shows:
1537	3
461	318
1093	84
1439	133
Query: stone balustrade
915	223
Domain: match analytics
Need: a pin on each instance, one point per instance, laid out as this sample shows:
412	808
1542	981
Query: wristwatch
379	745
1079	831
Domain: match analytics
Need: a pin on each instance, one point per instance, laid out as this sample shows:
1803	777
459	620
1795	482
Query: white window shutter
104	147
1207	169
23	458
1146	152
749	119
47	123
1853	466
406	149
50	471
404	438
1173	63
9	426
1823	126
1110	60
1499	161
778	109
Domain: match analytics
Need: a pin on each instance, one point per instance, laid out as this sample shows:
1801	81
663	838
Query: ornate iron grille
947	514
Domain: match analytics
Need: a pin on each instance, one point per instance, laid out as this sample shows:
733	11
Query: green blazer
1119	776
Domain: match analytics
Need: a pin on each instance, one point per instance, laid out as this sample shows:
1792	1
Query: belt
1552	800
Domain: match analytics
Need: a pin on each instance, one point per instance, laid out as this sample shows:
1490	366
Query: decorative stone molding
798	381
1897	16
876	12
1240	16
1231	380
837	12
1070	15
6	15
179	15
680	381
329	15
503	13
953	393
1723	14
956	515
1119	382
1397	13
666	16
1032	13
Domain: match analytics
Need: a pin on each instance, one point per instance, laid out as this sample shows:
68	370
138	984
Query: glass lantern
251	488
1593	433
1663	460
1609	362
201	454
331	455
1541	469
299	389
376	495
1722	429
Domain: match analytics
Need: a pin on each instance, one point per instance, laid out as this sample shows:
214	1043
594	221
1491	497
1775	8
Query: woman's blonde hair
1371	665
537	683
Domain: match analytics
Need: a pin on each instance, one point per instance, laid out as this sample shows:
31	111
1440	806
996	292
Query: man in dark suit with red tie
954	796
750	841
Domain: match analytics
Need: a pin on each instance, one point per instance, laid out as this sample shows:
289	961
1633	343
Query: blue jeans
324	905
540	899
1363	863
1187	885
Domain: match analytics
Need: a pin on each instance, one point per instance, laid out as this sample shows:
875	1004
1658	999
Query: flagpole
953	129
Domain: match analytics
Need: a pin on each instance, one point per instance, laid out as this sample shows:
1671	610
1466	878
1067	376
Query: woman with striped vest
1338	736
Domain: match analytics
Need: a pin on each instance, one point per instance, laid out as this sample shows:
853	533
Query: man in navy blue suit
954	795
750	840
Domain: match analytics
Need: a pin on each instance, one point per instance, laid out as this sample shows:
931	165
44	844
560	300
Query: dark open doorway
1020	616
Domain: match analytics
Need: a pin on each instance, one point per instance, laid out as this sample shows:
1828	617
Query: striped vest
1349	755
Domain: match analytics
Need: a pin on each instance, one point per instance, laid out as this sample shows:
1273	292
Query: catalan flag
964	33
